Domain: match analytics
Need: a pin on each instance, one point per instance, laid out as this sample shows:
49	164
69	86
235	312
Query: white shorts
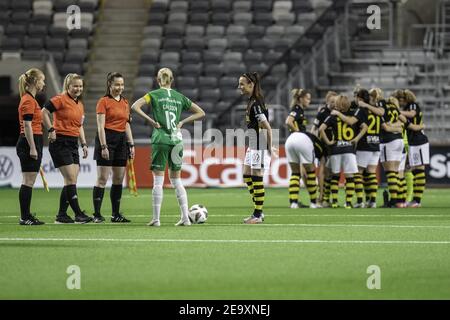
300	148
367	158
419	155
391	151
257	159
345	162
402	165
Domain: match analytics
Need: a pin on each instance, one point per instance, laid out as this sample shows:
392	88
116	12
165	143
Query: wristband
104	146
51	130
84	145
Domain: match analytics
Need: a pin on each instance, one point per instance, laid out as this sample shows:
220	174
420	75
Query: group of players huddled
351	137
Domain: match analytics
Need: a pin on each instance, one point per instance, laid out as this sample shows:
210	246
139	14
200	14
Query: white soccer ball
198	214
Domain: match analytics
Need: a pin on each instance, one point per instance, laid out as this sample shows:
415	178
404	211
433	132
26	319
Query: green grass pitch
295	254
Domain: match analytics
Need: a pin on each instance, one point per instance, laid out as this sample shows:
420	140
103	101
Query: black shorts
64	151
117	147
27	163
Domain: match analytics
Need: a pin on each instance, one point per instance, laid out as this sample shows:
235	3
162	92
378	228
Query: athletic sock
372	186
367	185
392	177
326	189
63	202
334	187
97	198
311	185
419	184
115	195
409	185
294	187
258	186
349	190
157	196
401	193
358	178
181	197
25	194
72	197
249	182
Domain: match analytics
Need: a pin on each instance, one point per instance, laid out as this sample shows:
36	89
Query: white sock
181	197
157	196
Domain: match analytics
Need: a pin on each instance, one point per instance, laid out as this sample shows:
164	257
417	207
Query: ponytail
68	80
165	77
298	94
28	79
257	91
110	79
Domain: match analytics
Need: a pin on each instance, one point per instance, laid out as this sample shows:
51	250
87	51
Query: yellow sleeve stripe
147	98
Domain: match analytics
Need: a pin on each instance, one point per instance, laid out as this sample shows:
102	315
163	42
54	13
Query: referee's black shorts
117	147
64	151
27	163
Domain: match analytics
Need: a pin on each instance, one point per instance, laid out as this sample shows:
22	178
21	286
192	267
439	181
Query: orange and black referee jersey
29	110
117	113
68	114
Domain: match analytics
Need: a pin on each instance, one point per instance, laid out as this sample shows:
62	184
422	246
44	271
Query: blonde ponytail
28	80
165	77
68	80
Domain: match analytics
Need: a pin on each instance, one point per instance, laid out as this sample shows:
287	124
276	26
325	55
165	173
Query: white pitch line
231	241
287	215
314	225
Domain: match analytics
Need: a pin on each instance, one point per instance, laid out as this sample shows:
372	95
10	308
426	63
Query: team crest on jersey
256	157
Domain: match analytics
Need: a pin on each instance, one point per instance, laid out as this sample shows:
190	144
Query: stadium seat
151	43
218	44
213	31
243	18
214	70
242	6
170	57
262	5
174	30
21	5
209	95
234	31
179	6
149	57
199	6
207	82
221	18
275	32
212	56
78	44
20	17
37	30
191	70
255	32
195	31
186	82
239	45
220	6
233	57
199	18
191	57
88	5
195	44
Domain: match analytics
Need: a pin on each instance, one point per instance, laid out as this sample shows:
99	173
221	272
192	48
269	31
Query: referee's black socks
115	195
72	197
97	198
63	202
25	194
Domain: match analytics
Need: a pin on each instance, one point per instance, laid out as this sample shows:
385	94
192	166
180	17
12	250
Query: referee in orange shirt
29	146
113	145
68	116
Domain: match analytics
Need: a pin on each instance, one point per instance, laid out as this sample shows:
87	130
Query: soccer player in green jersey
167	105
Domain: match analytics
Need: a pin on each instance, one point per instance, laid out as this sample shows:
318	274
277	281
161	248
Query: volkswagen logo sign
6	167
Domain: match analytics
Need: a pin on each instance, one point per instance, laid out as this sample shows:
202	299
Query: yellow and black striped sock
311	185
294	187
258	186
419	184
359	187
349	190
392	177
249	182
366	182
401	193
326	189
334	188
372	190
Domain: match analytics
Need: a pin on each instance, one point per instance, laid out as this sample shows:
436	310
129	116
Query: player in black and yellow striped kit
419	150
342	148
258	155
296	122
